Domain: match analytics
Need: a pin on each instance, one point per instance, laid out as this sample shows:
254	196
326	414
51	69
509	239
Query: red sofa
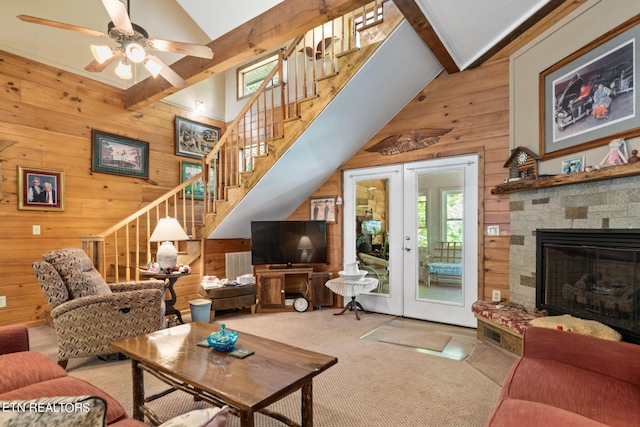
27	375
570	380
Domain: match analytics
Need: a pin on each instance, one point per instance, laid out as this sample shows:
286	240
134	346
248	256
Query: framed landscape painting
195	139
40	189
589	98
118	155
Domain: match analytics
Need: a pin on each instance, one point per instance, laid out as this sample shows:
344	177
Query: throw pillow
76	411
209	417
576	325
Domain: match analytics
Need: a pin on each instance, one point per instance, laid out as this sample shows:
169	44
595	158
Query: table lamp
305	246
167	231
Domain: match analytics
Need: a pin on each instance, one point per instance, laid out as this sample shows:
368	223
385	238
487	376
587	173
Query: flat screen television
288	242
372	226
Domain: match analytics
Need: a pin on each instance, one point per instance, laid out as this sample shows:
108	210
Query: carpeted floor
373	384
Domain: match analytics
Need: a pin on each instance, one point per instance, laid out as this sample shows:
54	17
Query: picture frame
576	113
33	183
573	165
194	139
323	208
117	155
189	170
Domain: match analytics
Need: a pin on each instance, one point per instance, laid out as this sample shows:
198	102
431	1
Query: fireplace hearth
591	274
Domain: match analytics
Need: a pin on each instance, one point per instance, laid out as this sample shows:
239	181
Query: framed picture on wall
40	189
190	169
323	209
118	155
589	98
195	139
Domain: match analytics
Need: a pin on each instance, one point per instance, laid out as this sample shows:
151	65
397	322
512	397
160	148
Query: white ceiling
467	28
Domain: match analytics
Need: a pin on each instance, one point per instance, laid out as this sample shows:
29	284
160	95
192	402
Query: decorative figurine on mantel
634	156
522	164
617	155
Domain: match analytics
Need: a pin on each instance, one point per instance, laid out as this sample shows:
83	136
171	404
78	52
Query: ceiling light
200	106
101	53
123	70
153	67
135	52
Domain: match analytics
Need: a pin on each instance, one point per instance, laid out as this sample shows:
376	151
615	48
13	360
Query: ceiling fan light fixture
101	53
123	70
135	52
153	67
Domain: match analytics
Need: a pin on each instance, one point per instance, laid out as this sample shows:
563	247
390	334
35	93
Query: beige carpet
372	384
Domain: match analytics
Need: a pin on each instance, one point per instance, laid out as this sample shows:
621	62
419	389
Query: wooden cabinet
321	296
276	286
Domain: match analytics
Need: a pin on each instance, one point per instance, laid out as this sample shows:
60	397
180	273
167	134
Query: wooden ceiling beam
276	26
425	30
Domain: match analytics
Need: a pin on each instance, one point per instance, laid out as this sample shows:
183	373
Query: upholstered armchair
89	314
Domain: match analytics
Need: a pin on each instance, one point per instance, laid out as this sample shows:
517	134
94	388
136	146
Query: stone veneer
595	205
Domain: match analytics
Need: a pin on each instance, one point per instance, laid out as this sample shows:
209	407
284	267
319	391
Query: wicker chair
89	314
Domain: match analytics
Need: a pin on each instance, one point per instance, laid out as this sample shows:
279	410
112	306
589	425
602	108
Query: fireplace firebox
591	274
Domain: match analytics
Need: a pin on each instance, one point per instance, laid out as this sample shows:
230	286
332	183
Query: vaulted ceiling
460	33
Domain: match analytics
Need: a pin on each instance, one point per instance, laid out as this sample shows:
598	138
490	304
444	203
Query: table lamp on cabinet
167	231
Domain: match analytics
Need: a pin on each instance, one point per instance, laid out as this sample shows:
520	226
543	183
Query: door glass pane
372	237
440	218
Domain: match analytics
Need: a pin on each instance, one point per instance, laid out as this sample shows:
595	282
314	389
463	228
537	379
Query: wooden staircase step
347	52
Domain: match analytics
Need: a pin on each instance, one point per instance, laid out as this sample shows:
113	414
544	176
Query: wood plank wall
475	104
46	117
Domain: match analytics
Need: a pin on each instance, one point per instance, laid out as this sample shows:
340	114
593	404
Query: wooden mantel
611	172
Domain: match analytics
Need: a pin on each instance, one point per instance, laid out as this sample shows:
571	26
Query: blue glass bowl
223	340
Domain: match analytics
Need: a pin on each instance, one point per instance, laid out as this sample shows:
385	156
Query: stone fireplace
601	205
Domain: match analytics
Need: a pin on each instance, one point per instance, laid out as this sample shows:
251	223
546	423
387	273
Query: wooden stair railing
309	59
126	245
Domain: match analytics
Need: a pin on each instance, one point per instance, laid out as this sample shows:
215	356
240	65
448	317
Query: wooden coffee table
247	385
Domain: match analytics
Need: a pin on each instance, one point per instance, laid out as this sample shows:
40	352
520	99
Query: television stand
274	286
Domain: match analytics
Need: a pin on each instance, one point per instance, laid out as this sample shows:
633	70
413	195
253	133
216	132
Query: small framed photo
40	189
190	169
323	209
573	165
118	155
195	139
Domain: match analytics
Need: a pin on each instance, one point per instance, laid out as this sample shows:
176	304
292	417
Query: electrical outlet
493	230
36	230
3	302
496	296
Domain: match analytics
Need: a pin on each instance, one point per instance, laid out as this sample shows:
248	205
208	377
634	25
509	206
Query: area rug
415	338
493	362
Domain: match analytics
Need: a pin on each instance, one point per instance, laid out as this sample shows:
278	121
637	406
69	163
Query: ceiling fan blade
119	16
166	72
190	49
61	25
96	67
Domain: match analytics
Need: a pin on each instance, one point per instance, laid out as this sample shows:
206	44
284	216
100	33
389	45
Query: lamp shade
168	229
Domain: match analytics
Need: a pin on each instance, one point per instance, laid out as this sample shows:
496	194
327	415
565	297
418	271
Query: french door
413	227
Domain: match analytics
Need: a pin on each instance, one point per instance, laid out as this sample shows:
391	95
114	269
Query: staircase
289	138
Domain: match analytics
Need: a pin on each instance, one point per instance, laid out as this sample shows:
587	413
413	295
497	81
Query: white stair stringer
393	75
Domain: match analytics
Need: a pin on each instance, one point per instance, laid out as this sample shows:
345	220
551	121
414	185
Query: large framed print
190	169
195	139
40	189
118	155
589	98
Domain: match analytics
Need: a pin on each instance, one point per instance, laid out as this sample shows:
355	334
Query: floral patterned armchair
89	314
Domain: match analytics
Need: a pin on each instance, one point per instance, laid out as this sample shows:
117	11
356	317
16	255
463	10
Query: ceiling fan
133	41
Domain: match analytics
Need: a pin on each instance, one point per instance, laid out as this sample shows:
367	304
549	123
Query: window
251	76
452	211
423	232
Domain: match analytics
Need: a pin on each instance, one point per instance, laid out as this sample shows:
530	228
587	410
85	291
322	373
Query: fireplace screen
590	281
